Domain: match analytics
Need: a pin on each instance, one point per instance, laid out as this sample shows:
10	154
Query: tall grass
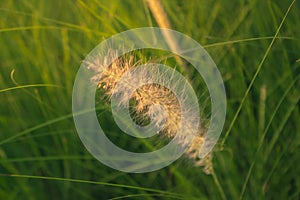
255	45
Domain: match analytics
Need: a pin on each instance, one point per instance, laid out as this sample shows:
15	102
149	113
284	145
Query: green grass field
256	46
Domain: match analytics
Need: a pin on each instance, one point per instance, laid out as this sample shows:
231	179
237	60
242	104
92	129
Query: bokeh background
256	46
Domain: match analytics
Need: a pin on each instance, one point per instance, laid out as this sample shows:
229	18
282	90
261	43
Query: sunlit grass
255	45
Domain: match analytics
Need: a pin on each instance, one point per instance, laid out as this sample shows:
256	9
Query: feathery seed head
151	101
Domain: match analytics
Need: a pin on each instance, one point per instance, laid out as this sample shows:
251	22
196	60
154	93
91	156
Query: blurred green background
42	44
